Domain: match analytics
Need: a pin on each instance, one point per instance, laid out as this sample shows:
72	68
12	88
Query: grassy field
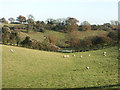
9	24
27	68
40	36
61	37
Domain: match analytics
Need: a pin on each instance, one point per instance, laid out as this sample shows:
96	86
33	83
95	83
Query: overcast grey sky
93	11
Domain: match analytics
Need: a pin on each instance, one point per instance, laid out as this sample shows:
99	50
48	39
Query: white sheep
11	50
89	55
67	55
81	56
64	56
87	67
104	53
73	55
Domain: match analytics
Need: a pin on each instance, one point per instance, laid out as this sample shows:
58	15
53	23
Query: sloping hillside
27	68
61	37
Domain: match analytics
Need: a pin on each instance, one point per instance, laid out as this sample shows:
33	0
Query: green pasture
61	37
27	68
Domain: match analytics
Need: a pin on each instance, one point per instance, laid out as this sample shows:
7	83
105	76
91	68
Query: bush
75	43
27	42
9	36
102	40
6	29
42	30
51	39
113	35
86	44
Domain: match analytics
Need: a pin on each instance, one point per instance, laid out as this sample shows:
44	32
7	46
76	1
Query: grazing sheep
11	50
104	53
73	55
87	67
89	54
66	56
81	56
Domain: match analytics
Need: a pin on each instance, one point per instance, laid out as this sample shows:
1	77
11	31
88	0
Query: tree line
12	37
61	24
11	34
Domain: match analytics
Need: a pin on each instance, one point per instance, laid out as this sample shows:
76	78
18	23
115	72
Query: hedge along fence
19	27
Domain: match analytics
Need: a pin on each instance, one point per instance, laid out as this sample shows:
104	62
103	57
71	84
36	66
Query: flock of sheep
67	56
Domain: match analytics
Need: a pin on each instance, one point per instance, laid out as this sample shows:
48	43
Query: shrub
6	29
42	30
113	35
101	40
27	42
8	36
51	39
86	43
75	43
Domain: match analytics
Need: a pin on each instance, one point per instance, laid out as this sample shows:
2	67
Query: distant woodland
70	27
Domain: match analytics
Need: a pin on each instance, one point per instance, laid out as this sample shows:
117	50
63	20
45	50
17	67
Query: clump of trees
65	25
101	41
11	19
90	43
21	19
34	44
85	26
72	40
10	37
71	24
3	20
113	35
39	26
51	39
86	44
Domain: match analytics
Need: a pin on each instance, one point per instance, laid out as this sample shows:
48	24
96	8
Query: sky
93	11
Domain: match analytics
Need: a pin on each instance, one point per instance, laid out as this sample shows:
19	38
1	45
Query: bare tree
71	24
86	26
30	18
11	19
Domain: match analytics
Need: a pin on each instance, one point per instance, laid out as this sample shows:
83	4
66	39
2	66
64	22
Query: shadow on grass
107	87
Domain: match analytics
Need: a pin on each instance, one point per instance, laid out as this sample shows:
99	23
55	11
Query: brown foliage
101	40
21	18
51	39
71	24
75	42
73	34
86	28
